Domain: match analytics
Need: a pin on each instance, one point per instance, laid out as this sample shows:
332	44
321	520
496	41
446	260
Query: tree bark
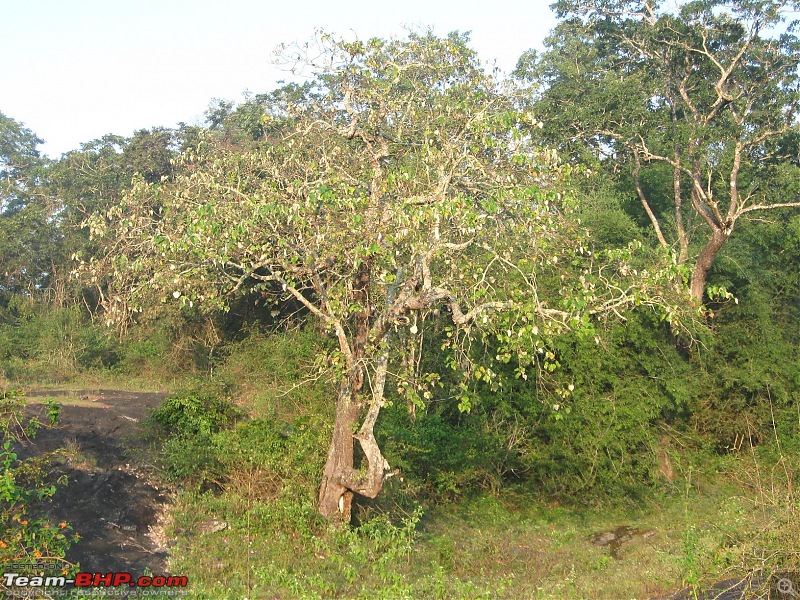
704	261
640	192
340	479
335	498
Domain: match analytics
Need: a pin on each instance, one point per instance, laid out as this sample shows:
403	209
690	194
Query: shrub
25	534
45	343
195	412
442	458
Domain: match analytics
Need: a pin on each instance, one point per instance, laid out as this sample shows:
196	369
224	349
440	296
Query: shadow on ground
114	503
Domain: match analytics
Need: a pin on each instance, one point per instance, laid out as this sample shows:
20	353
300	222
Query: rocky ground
112	500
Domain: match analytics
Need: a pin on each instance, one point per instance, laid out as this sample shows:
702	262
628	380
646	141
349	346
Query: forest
427	330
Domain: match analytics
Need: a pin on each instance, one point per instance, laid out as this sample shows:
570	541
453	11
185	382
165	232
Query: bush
601	411
45	343
745	377
25	534
279	373
442	458
185	424
195	412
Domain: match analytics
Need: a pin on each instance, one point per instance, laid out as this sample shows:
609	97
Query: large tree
28	235
402	186
707	90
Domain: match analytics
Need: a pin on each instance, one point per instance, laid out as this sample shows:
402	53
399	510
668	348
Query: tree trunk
340	479
709	252
335	498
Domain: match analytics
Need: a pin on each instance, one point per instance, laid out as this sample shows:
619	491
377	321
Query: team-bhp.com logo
93	580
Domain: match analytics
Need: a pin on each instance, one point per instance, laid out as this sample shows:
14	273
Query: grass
95	380
719	517
493	547
714	523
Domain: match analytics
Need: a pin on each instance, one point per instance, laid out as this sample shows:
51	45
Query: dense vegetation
410	292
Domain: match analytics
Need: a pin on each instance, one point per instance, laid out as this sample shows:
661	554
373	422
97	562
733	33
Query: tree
251	121
18	159
401	187
42	202
710	91
27	233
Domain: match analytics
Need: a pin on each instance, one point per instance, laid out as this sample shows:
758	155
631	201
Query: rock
211	526
603	538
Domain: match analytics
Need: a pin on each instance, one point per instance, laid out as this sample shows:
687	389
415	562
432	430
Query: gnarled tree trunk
704	261
340	478
335	498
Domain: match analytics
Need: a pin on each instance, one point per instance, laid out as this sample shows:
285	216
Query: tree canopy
708	90
27	235
402	186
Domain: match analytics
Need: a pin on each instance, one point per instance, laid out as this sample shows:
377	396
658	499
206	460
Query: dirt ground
112	500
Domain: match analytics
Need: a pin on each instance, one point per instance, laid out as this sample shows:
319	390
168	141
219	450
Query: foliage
195	412
444	457
27	536
599	430
256	119
744	384
280	373
28	236
40	342
186	423
585	424
695	101
403	186
46	343
203	440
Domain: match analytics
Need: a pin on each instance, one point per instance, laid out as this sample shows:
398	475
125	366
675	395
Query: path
111	501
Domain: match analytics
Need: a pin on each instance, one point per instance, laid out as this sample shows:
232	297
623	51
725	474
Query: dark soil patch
112	500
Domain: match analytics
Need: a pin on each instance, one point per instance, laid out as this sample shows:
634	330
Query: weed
26	535
690	559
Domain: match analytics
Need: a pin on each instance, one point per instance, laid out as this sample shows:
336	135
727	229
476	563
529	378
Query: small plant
690	562
195	412
25	535
187	423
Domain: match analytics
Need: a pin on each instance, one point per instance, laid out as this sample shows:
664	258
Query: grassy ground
720	517
489	547
486	548
244	523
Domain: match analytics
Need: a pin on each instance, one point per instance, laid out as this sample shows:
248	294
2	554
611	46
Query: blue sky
74	70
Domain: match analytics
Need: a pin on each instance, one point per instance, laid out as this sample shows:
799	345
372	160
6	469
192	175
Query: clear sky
74	70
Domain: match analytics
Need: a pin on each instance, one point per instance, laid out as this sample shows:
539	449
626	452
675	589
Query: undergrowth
451	533
27	537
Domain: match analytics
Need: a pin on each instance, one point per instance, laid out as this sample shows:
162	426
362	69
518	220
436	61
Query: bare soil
112	499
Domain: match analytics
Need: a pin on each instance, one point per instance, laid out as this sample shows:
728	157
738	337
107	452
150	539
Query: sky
75	70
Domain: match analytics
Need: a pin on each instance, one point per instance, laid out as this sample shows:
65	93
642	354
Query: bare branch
640	192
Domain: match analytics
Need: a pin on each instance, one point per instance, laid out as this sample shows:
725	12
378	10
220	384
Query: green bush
280	373
45	343
747	375
190	458
289	450
195	412
601	410
205	438
185	424
26	535
590	428
440	457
